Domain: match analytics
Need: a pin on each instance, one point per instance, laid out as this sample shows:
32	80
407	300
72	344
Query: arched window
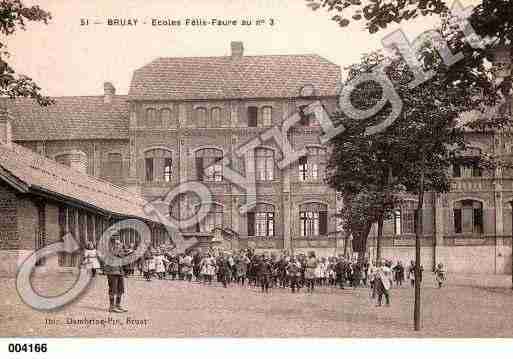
208	165
467	164
215	117
267	116
201	117
113	167
74	158
158	165
261	221
165	117
313	219
213	220
312	165
264	163
468	217
151	117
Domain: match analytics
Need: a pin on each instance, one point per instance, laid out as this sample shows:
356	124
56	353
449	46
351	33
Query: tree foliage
14	15
374	172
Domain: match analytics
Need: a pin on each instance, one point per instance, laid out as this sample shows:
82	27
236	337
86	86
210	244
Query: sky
66	58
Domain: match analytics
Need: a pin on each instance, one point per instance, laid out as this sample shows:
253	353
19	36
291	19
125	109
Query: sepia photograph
255	169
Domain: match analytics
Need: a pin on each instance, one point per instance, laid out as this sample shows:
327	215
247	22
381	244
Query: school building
180	118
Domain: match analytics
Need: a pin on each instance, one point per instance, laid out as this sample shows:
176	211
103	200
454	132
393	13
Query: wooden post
418	233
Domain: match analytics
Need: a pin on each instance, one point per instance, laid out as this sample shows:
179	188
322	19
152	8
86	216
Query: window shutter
478	220
323	223
251	223
252	116
149	169
457	220
476	171
199	168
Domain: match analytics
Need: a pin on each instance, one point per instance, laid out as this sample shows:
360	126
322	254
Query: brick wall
8	218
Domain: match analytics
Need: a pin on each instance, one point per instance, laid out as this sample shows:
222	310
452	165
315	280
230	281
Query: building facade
183	116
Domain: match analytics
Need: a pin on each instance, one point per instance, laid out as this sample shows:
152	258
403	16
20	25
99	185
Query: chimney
237	49
108	92
5	127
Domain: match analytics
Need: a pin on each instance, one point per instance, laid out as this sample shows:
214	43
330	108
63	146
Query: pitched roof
73	117
40	173
276	76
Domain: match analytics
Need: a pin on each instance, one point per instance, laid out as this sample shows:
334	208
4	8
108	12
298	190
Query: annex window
158	165
208	165
261	221
201	117
267	116
264	159
215	117
213	219
468	217
313	220
252	116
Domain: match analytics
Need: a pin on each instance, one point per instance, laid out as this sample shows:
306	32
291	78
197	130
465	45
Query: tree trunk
379	238
418	233
346	244
363	249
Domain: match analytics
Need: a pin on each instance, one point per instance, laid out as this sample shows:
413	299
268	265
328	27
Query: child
440	275
160	266
148	266
294	273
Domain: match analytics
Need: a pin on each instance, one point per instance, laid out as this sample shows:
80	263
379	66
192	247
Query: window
215	117
158	165
468	217
63	159
151	117
309	120
404	218
165	118
213	220
309	165
113	168
208	165
264	164
252	116
201	117
466	171
267	116
313	220
261	221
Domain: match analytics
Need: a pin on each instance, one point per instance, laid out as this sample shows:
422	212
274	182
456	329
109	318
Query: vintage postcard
251	169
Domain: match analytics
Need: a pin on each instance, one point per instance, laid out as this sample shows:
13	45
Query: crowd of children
246	268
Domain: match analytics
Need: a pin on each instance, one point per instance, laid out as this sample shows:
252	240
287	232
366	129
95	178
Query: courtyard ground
469	306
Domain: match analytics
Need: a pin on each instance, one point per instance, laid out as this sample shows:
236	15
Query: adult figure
311	264
115	279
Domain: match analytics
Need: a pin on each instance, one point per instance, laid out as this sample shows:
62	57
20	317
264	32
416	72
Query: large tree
416	150
14	16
